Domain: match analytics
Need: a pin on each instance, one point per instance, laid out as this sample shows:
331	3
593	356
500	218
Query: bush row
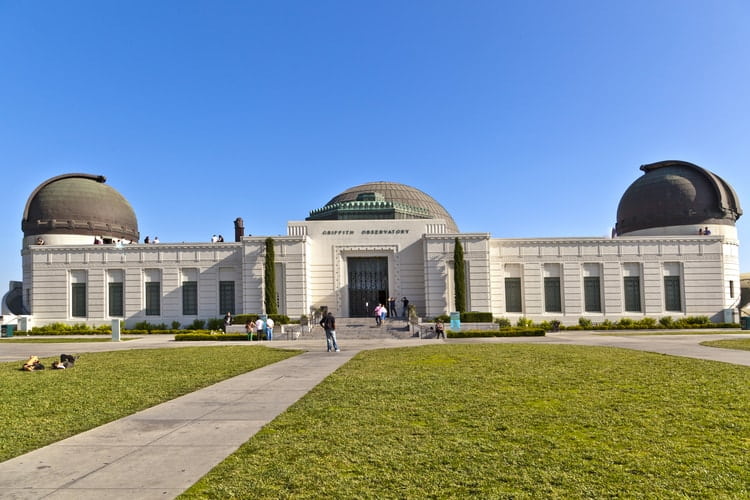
503	332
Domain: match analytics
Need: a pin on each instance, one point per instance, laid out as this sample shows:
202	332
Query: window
672	293
513	295
731	289
78	302
115	299
552	302
153	298
592	294
632	293
190	298
226	297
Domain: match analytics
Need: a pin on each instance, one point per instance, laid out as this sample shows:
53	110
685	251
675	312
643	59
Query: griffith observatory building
674	252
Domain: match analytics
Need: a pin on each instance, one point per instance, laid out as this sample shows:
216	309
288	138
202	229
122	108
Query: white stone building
381	240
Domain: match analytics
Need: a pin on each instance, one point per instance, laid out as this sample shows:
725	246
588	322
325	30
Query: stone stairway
365	328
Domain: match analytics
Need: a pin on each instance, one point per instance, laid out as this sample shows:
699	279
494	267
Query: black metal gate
368	284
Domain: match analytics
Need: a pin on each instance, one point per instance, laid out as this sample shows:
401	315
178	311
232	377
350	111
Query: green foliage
175	325
666	322
524	322
197	324
503	332
270	279
146	326
241	319
503	322
209	336
215	324
585	323
476	317
43	407
459	276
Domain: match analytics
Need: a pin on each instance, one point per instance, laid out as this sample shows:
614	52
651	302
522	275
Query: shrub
666	322
503	322
646	323
197	324
524	322
585	323
215	324
505	332
476	317
175	325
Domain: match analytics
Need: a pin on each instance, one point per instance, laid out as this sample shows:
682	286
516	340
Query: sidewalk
162	451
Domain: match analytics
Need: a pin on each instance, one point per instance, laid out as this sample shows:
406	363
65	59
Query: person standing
383	312
392	307
227	321
259	328
405	312
439	329
329	325
269	328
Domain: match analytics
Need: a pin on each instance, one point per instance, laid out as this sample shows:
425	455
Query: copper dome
79	204
676	193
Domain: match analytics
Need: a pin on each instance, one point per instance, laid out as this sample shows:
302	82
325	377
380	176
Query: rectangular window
552	302
78	299
632	293
153	298
731	289
672	294
592	294
115	300
513	295
226	297
190	298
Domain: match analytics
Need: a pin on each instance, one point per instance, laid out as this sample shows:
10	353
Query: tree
459	276
270	279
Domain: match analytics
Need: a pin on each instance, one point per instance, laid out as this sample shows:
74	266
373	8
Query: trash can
745	322
9	330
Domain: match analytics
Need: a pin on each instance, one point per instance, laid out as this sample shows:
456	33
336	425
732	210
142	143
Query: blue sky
523	118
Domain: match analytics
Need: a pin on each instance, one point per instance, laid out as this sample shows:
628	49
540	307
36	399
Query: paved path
160	452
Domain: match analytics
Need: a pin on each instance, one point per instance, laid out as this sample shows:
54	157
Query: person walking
329	325
378	318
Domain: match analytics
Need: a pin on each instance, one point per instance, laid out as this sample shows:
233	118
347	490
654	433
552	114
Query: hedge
503	332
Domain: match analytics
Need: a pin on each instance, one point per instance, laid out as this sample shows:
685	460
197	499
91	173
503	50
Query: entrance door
368	284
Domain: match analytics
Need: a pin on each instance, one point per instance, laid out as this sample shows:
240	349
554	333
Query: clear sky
523	118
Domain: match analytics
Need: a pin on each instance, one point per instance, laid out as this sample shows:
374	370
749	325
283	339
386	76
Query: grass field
504	421
43	407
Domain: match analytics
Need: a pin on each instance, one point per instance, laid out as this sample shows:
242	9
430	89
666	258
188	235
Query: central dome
383	200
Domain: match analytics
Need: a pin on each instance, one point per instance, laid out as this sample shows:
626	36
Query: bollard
115	330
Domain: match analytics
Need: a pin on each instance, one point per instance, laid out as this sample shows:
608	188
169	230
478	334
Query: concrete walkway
160	452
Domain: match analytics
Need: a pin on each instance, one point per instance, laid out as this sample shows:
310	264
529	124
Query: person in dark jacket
329	325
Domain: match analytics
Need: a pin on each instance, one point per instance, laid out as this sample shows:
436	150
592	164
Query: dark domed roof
383	200
676	193
79	204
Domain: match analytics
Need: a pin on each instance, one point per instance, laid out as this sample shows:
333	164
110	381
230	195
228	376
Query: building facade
674	253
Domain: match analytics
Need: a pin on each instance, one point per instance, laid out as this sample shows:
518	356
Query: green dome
383	200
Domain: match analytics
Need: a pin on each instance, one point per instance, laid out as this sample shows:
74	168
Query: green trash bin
745	322
9	330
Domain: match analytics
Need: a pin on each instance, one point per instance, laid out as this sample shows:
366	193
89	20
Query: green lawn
38	408
60	340
504	421
742	344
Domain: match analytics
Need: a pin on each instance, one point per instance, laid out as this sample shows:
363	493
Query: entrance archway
368	284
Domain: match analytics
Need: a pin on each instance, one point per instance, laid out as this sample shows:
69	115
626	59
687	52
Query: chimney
239	229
